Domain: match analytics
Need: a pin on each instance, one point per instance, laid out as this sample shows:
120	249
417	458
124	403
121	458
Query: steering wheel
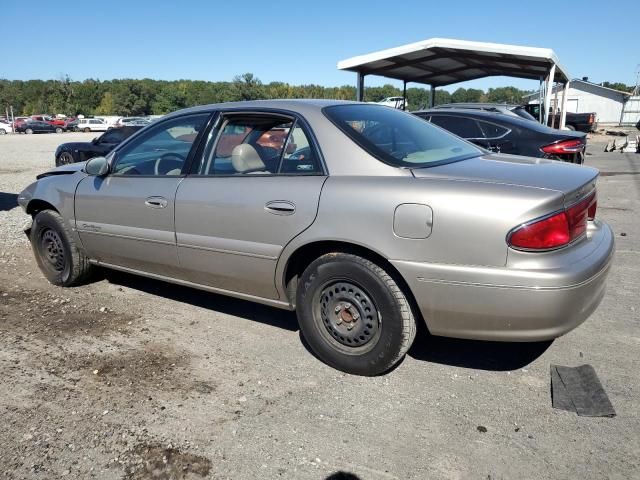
177	158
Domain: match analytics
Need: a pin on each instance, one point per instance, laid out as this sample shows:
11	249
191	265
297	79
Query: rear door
127	218
255	187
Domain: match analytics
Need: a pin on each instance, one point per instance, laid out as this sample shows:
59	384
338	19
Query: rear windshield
399	138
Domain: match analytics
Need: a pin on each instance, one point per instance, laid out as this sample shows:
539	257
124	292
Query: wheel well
36	206
306	254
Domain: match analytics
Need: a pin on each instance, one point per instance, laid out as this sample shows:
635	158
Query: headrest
245	158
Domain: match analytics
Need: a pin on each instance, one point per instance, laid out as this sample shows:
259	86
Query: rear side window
461	126
491	130
259	144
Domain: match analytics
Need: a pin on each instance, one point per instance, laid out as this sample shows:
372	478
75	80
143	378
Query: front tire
87	130
65	158
59	130
28	131
353	314
57	255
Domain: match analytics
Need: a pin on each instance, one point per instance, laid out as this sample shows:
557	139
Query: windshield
399	138
521	112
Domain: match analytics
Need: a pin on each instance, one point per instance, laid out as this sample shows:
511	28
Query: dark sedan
99	146
509	134
35	126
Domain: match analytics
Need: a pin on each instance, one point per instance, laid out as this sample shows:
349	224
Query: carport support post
555	106
360	87
404	94
548	92
540	110
432	97
563	114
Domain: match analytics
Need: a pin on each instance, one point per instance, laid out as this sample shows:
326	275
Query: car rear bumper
535	301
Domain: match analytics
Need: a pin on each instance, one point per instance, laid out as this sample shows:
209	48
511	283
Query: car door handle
156	202
280	207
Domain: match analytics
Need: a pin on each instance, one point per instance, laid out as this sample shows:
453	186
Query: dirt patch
154	367
47	315
165	463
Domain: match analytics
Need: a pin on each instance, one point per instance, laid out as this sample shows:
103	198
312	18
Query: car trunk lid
570	180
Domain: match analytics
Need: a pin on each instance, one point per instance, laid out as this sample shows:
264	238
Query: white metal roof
443	61
590	84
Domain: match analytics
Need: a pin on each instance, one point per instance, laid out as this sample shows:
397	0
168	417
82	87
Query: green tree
107	106
247	87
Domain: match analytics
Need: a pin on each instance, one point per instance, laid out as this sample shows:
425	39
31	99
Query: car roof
477	105
484	115
296	105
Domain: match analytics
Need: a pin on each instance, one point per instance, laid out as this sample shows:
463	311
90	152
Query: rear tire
353	314
57	255
87	130
570	127
3	131
28	131
59	130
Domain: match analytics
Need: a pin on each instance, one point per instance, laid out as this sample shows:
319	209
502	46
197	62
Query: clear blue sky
299	42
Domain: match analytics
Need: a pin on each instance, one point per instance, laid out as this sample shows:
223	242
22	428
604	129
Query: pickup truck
582	122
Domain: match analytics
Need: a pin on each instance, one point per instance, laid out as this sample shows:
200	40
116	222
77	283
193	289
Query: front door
127	218
255	188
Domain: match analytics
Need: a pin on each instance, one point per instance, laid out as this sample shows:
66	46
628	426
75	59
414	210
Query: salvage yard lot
127	376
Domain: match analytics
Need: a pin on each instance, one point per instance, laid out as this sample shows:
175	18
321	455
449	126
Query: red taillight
557	230
591	119
566	146
551	232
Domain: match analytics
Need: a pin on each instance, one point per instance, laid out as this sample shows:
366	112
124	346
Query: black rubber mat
578	389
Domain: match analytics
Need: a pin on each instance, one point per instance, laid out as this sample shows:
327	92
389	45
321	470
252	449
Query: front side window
397	137
162	150
113	136
258	144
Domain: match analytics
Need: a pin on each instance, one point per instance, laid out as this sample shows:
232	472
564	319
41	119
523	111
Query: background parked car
92	125
5	128
583	122
71	124
394	102
505	108
509	133
17	121
35	126
121	122
80	151
56	122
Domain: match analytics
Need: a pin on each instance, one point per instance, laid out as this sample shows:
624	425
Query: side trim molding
243	296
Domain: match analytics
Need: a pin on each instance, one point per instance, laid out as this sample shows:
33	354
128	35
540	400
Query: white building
586	97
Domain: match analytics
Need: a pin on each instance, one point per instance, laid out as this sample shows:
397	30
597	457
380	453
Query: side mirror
97	167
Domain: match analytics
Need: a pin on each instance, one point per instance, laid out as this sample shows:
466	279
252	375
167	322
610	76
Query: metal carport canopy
442	61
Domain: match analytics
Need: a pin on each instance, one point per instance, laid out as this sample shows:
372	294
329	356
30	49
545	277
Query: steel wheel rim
65	158
347	316
52	250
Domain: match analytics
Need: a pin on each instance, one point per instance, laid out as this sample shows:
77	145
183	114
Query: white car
5	128
394	102
92	125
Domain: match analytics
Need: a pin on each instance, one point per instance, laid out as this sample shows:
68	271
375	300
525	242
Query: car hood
63	170
75	146
514	170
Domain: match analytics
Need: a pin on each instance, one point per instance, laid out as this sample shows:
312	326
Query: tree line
130	97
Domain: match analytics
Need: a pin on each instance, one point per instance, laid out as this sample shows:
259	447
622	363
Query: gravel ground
136	379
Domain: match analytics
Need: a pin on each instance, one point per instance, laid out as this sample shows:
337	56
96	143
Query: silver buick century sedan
363	219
